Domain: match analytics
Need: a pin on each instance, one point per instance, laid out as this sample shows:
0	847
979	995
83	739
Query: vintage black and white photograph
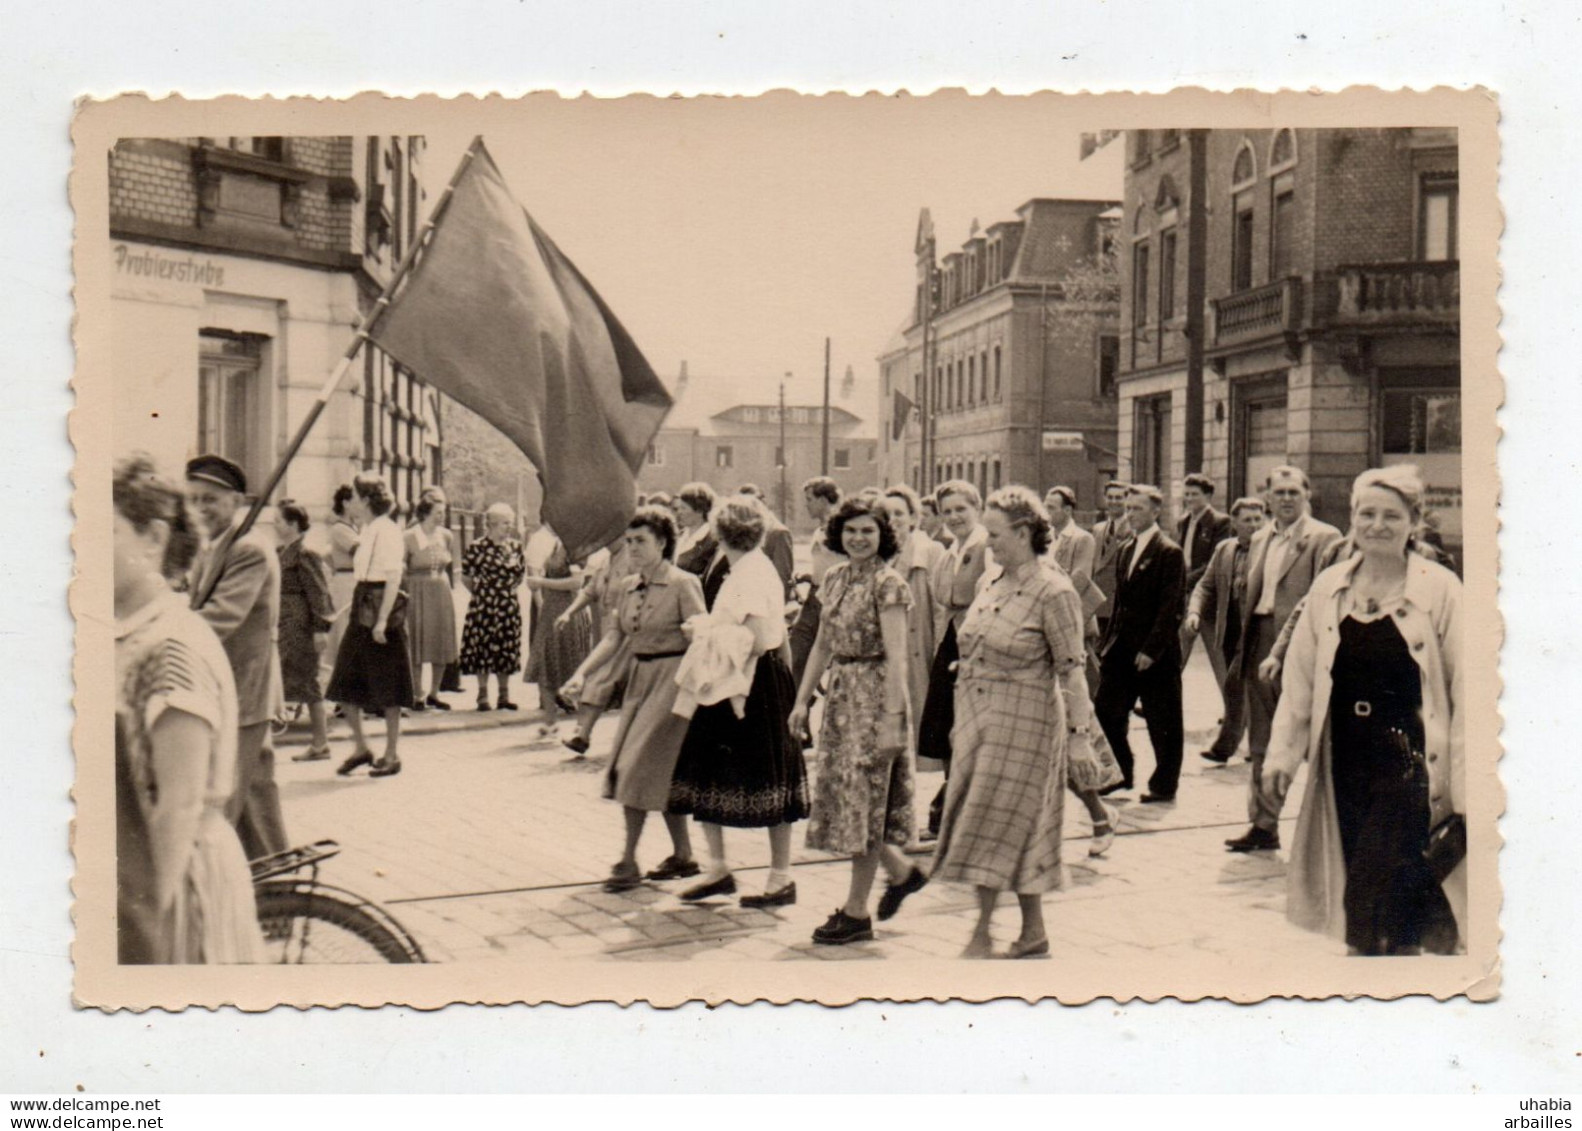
788	548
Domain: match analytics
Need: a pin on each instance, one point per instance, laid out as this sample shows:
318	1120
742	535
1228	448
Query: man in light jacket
1285	557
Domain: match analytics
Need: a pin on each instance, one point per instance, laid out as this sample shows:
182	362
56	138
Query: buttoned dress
861	798
1003	813
648	616
1428	618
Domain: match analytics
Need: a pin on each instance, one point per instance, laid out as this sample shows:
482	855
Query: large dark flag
494	316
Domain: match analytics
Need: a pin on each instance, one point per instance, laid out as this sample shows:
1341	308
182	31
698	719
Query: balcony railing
1398	293
1261	312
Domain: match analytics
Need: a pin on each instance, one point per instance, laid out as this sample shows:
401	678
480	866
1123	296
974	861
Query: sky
736	234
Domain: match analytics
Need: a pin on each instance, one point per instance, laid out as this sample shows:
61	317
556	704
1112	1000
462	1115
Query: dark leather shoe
841	928
725	885
1254	840
576	744
780	897
1214	756
385	768
1157	798
894	894
361	758
1116	788
671	868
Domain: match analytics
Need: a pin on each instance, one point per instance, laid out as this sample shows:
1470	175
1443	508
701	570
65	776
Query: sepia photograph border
1071	978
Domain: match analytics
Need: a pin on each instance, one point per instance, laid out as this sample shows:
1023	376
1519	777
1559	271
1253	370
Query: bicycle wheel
314	924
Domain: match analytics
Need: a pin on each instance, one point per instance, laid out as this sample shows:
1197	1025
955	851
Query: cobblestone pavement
491	845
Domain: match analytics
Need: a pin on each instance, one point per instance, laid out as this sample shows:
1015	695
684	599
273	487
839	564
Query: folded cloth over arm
720	664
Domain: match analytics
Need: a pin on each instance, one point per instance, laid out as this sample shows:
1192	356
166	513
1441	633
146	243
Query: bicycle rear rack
293	859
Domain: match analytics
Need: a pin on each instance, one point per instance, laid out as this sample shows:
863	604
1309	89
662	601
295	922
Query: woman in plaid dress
1002	820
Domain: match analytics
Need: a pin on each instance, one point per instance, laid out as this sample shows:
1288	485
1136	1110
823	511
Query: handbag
1447	846
369	598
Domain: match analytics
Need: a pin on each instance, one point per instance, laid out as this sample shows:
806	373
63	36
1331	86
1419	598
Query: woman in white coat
1372	691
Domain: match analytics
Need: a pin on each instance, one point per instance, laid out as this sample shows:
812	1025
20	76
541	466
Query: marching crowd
992	638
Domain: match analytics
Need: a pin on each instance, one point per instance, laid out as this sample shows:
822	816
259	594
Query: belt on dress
345	569
857	659
427	572
659	655
1038	673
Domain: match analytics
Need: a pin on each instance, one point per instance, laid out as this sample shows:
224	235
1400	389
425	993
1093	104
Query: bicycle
308	922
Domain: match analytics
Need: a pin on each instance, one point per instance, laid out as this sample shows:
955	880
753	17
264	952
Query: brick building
1017	332
726	432
1292	296
241	267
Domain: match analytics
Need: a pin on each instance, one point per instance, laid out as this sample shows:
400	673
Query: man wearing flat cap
236	588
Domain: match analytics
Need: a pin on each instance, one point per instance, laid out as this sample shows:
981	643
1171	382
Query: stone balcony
1414	295
1269	311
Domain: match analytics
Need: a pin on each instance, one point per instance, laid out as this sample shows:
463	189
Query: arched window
1282	150
1243	173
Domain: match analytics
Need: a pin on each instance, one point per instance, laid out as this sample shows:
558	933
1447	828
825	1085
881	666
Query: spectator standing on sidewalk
651	606
492	570
343	537
373	671
431	606
862	800
1004	810
236	588
184	893
305	618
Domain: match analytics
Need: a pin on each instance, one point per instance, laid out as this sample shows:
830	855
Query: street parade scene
1106	600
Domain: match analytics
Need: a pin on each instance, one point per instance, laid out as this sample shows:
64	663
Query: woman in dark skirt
305	618
745	770
372	670
1370	698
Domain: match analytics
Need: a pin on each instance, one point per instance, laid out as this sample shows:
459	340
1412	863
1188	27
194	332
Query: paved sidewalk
491	846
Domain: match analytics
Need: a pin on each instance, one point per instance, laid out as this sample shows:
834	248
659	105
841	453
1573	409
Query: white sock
776	881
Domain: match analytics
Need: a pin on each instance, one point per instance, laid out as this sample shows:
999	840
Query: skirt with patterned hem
748	772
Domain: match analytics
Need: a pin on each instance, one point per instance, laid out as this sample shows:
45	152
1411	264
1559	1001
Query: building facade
242	266
726	432
1292	296
1006	366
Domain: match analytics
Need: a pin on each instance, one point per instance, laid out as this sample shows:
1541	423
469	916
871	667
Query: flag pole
342	367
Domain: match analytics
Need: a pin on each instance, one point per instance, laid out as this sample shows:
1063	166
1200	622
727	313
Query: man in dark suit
236	588
1140	652
1284	558
1215	609
1198	531
1109	536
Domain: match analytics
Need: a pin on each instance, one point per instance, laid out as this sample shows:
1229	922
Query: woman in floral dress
1001	826
184	893
862	795
491	636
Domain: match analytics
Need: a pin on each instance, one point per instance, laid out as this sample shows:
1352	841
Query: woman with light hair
1371	701
1021	637
492	569
739	765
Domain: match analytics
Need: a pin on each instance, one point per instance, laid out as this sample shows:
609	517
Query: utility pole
823	468
783	453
